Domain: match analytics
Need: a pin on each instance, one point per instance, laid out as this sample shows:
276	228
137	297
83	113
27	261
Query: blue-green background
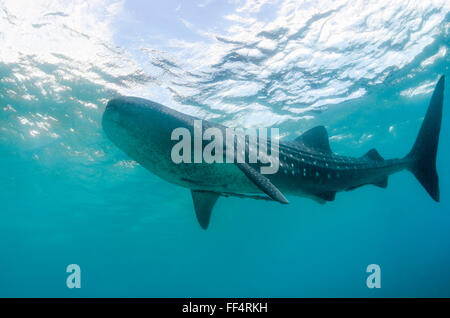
135	235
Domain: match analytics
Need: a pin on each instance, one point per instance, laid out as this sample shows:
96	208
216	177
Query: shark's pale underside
142	129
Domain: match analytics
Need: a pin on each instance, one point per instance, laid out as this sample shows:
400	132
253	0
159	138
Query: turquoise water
68	195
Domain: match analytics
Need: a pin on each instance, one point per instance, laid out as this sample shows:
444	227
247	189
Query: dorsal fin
203	204
373	154
316	138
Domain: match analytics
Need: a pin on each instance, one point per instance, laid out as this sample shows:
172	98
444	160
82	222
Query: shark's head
136	125
129	113
122	120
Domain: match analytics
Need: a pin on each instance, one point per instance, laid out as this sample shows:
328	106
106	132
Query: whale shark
307	166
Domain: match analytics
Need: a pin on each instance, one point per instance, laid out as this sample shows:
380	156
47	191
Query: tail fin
424	150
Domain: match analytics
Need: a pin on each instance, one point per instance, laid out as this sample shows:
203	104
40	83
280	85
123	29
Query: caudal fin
423	153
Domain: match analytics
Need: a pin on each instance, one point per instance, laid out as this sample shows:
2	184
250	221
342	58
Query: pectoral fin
203	204
262	183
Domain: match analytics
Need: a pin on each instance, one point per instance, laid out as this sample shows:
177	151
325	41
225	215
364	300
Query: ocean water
69	196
